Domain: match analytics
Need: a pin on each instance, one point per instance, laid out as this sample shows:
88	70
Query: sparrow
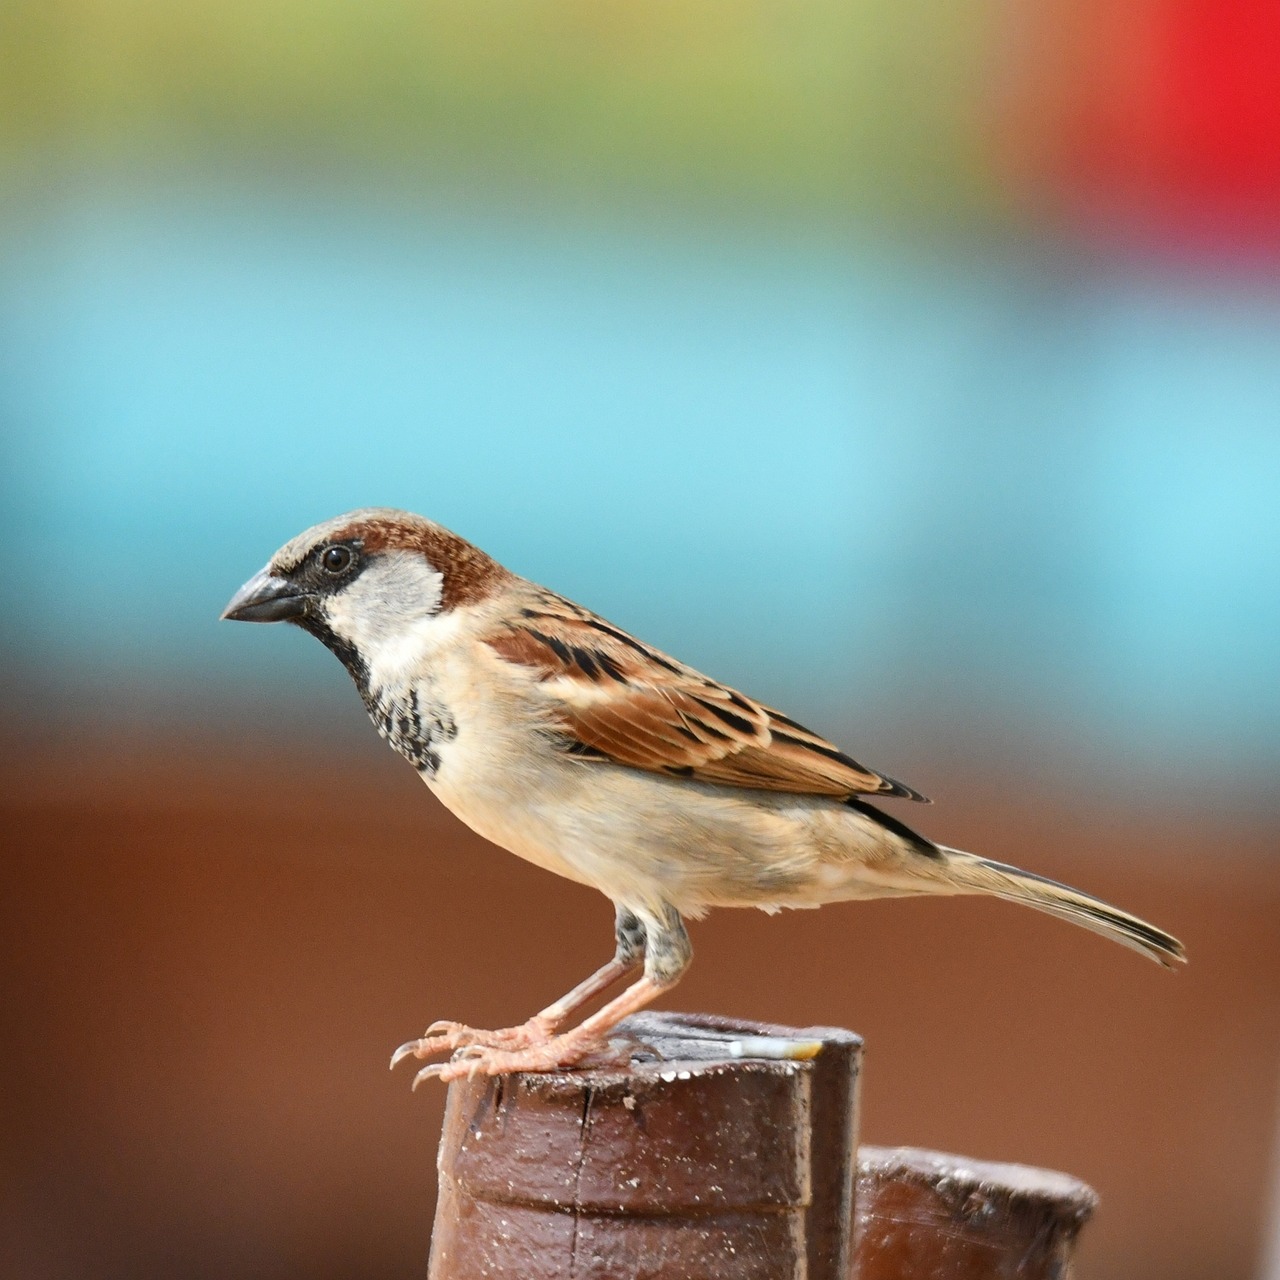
588	752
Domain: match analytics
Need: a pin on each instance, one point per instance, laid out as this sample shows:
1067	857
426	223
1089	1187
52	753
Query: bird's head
368	584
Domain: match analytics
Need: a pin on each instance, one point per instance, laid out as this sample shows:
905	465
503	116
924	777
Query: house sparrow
562	738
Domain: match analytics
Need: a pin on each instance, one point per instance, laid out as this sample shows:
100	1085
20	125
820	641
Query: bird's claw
410	1049
454	1037
429	1044
426	1074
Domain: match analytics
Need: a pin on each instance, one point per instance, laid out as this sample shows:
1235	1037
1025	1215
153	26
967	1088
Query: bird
570	742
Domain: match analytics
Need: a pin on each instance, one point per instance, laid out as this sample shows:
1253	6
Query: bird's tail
981	875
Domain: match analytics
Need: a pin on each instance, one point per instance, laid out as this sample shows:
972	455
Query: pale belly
520	804
512	829
644	840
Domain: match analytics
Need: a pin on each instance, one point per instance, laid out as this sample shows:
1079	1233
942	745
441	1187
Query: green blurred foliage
834	105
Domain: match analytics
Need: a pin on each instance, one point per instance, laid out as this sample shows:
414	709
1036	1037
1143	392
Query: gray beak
266	599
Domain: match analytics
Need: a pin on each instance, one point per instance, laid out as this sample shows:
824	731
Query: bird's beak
266	599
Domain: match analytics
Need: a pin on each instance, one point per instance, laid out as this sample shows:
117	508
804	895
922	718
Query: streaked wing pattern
620	700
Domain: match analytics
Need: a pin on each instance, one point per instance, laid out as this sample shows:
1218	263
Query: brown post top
925	1215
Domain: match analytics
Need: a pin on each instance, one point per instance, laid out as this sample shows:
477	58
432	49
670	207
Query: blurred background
914	367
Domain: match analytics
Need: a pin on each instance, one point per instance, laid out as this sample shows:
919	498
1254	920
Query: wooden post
923	1215
725	1152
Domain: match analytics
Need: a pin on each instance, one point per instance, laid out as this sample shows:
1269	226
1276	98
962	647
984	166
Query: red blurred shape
1163	113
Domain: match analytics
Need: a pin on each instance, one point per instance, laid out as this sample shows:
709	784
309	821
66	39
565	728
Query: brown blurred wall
208	955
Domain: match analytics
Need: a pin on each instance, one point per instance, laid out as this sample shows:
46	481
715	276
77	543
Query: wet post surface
693	1164
924	1215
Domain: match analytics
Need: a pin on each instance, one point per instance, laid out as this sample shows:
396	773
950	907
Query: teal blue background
988	494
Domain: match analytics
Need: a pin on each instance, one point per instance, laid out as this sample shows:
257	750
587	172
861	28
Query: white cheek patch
387	603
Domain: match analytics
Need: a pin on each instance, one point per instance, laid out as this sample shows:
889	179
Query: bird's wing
616	699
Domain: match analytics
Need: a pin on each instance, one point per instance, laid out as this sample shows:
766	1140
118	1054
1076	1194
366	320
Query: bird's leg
446	1037
667	956
629	936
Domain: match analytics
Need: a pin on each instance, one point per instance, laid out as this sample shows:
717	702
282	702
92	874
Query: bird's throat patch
413	723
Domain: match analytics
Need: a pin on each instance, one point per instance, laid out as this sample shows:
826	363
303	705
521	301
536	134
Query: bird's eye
336	559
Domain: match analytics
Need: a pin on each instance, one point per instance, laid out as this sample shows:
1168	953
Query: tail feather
981	875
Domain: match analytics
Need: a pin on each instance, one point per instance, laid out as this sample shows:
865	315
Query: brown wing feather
617	699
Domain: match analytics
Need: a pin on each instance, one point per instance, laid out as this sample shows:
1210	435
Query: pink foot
553	1054
448	1037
